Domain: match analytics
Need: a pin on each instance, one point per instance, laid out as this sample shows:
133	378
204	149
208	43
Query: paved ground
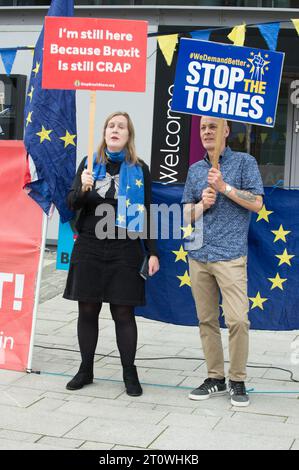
37	412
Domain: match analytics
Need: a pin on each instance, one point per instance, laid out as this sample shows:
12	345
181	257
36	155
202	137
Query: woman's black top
107	269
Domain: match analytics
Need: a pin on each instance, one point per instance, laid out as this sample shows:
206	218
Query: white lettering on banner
98	34
218	100
236	104
110	51
223	77
70	50
110	67
18	292
4	340
172	158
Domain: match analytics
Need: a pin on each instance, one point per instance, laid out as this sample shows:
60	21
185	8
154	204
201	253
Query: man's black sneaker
210	387
238	395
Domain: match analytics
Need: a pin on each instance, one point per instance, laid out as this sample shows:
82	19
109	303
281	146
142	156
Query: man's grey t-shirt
226	224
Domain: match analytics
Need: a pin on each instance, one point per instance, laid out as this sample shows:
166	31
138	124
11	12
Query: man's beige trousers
231	278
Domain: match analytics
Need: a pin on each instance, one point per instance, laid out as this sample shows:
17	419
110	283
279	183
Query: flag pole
219	137
37	290
92	112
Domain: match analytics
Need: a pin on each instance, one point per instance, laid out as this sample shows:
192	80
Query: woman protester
108	252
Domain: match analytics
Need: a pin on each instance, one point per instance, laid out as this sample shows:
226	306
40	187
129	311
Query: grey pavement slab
194	421
7	444
295	445
89	445
115	432
19	436
9	377
176	437
257	428
20	397
271	405
29	421
236	416
61	442
99	409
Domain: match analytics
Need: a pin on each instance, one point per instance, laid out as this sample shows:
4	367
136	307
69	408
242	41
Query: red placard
94	54
20	241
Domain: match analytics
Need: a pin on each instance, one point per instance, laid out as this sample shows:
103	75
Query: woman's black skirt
106	271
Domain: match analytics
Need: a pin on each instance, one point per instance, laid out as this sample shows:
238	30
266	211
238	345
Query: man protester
224	198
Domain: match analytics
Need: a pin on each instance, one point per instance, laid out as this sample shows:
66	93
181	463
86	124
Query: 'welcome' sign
226	81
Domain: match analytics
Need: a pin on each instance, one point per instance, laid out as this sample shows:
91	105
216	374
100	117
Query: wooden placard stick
2	101
219	139
92	112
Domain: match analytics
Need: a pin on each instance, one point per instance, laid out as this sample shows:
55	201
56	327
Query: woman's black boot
80	379
133	387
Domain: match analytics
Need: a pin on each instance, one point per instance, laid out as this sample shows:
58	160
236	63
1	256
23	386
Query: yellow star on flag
140	208
187	230
185	280
263	214
277	281
128	202
284	258
36	69
280	234
44	134
121	219
68	139
221	310
31	93
28	118
181	255
257	301
139	183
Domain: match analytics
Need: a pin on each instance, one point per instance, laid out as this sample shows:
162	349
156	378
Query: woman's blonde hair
131	156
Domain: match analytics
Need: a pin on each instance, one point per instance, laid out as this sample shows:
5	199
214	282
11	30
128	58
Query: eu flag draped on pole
50	133
273	266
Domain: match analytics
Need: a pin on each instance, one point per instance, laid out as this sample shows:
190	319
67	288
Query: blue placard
66	238
226	81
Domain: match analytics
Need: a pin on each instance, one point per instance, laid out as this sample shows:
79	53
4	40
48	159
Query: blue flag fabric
273	266
270	34
50	133
203	35
8	57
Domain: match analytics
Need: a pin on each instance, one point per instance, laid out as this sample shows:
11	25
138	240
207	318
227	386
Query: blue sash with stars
130	199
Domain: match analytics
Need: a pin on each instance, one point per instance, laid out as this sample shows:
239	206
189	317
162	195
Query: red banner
20	241
94	54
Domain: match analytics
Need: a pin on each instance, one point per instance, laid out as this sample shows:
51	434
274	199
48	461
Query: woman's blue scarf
130	200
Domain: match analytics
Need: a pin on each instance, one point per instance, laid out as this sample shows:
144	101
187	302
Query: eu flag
273	266
50	133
